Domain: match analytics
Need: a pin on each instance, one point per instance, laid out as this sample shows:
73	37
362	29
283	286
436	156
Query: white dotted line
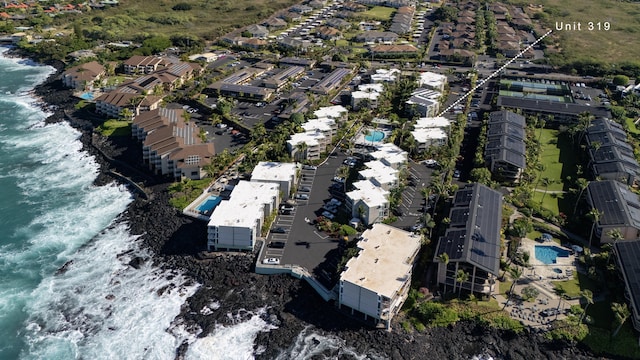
494	73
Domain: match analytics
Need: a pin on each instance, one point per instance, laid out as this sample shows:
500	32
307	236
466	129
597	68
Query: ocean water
51	214
66	289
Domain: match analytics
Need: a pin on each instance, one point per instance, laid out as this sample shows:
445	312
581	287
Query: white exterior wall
359	298
241	238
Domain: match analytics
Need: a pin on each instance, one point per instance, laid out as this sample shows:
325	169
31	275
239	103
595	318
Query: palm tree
444	258
582	184
621	313
587	295
594	214
429	223
545	182
615	235
461	277
516	273
301	149
560	291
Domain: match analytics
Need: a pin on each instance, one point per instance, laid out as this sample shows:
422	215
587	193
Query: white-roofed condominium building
375	283
236	223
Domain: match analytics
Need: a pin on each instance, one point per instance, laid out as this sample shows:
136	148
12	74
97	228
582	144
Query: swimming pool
374	136
548	254
86	96
209	204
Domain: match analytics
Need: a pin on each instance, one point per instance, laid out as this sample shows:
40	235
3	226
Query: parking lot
304	245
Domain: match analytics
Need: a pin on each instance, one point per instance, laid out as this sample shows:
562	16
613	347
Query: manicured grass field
572	287
380	13
115	127
550	201
618	44
558	156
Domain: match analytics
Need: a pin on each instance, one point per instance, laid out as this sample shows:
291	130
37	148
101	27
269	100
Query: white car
430	163
271	261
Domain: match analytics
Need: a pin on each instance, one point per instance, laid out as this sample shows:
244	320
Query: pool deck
540	276
546	271
361	140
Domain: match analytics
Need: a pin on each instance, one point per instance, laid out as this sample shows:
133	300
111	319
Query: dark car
304	189
285	212
277	244
279	230
303	243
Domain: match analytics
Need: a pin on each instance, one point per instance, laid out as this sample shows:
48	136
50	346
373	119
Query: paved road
320	256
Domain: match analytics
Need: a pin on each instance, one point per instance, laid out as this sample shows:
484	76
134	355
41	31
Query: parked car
304	189
328	215
456	174
277	244
309	167
286	207
430	163
335	201
279	230
271	261
338	179
303	243
302	196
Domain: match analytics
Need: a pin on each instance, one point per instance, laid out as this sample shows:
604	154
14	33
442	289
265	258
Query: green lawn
536	234
599	338
574	286
113	127
550	201
558	157
631	126
380	13
504	287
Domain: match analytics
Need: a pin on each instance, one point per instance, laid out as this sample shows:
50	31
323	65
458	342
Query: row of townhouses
318	133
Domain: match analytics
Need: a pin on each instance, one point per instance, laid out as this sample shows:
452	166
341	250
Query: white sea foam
12	64
103	308
312	345
230	342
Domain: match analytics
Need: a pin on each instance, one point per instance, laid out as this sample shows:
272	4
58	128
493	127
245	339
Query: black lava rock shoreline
178	244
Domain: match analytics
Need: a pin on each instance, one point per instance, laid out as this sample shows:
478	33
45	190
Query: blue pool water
209	204
548	254
374	136
86	96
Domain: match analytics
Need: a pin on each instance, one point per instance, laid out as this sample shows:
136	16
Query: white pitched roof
245	205
333	112
432	80
390	153
311	138
369	193
432	122
426	134
274	171
380	171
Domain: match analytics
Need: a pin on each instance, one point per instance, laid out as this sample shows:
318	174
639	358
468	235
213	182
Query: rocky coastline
178	244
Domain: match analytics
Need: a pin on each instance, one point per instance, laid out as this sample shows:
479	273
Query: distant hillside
204	18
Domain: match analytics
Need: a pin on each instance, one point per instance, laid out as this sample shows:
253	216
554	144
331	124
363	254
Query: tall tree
587	295
444	258
621	313
545	182
594	214
516	273
461	277
582	184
